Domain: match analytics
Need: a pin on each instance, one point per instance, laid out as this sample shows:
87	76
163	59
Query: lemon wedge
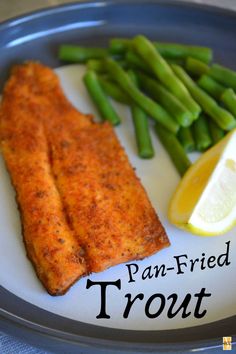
205	200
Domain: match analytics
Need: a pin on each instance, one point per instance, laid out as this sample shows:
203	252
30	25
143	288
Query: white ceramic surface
160	180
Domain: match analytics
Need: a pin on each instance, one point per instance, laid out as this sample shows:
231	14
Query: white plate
160	179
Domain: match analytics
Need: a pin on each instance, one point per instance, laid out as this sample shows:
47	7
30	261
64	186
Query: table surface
12	8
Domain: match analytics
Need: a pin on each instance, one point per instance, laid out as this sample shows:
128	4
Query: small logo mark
227	343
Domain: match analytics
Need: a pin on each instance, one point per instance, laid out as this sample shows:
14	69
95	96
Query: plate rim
91	3
107	342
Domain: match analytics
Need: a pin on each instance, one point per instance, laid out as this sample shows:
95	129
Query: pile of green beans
191	100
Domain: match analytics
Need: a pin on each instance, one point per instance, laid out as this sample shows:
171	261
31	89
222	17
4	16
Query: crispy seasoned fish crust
50	242
83	208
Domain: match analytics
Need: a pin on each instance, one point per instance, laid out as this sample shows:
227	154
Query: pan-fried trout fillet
83	208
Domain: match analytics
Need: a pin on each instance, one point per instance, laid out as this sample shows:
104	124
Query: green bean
149	106
186	139
216	132
223	118
211	86
96	65
135	62
168	50
112	90
99	66
160	94
133	76
229	99
140	121
163	72
174	50
119	45
174	149
178	61
196	67
201	133
100	99
143	139
77	54
223	75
